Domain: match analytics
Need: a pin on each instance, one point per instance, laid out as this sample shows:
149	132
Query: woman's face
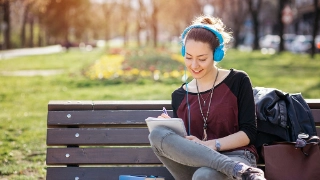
199	58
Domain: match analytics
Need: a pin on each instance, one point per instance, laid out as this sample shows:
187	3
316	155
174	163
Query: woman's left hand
193	138
205	143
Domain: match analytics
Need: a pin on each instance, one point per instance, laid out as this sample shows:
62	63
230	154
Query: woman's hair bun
215	23
206	20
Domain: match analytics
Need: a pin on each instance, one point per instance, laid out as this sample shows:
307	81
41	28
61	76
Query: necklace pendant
205	126
204	103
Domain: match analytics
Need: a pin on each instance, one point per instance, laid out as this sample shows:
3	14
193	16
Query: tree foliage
147	21
64	17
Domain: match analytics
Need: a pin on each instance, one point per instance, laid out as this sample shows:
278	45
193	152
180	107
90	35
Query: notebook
176	124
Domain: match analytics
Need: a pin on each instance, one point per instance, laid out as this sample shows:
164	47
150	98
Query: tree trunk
31	21
255	21
236	38
154	26
138	33
155	34
256	25
315	27
141	14
125	10
281	25
40	38
107	14
7	29
125	36
237	18
23	27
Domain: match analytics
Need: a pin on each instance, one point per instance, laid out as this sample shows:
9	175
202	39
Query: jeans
187	159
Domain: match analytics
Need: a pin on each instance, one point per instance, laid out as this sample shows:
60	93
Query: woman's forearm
232	141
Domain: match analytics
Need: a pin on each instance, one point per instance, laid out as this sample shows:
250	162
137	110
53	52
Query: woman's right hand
163	115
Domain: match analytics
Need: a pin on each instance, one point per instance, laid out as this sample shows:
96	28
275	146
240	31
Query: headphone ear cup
218	54
183	50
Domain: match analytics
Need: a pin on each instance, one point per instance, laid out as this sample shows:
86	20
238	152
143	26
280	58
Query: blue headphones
218	52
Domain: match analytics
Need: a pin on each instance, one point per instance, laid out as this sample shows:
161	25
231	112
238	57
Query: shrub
137	65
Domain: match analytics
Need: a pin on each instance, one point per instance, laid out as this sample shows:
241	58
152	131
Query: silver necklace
205	125
204	101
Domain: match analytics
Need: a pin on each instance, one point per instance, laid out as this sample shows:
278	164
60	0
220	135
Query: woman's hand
209	144
163	115
193	138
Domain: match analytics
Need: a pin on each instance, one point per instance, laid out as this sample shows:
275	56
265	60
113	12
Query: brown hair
206	36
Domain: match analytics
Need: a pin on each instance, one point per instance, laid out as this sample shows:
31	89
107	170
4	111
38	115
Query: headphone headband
218	52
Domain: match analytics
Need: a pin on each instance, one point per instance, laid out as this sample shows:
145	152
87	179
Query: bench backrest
109	134
105	139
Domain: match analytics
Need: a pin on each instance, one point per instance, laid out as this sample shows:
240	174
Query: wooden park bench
104	139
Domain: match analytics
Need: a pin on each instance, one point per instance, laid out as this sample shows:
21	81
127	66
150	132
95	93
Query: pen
164	111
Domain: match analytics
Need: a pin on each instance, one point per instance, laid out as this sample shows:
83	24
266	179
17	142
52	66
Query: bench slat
103	173
313	103
132	105
316	115
126	137
86	156
70	105
109	105
115	117
102	117
97	136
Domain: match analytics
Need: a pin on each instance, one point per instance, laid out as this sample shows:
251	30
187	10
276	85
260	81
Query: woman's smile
196	71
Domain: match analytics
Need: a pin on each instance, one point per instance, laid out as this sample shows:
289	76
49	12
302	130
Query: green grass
23	100
292	73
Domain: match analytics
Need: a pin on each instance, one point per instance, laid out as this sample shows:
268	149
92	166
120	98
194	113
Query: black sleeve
247	116
176	98
174	105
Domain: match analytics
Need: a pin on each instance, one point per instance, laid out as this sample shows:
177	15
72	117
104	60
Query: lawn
292	73
24	99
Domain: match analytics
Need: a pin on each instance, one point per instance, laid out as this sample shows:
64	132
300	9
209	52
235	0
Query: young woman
218	110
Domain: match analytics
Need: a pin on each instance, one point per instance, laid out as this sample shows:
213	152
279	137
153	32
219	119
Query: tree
233	13
125	14
254	11
24	13
24	22
104	19
238	12
107	9
173	20
154	22
140	20
5	4
63	18
281	24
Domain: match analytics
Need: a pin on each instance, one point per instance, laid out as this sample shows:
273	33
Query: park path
32	72
8	54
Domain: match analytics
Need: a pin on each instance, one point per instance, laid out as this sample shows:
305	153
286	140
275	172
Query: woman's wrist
217	145
211	144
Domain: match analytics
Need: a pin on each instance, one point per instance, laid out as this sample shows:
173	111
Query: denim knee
158	134
206	173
